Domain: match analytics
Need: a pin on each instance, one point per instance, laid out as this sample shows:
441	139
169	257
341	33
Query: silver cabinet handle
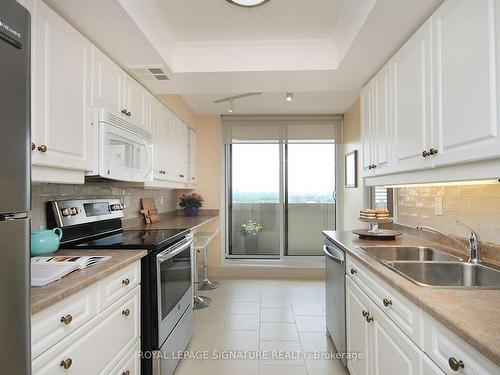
66	363
67	319
454	364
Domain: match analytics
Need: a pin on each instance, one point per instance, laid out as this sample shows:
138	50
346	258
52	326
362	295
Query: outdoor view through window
308	186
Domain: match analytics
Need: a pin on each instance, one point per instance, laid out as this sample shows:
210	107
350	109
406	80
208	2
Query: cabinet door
357	329
193	155
183	152
393	353
381	129
61	85
430	368
135	102
411	92
170	139
107	83
366	128
155	120
466	56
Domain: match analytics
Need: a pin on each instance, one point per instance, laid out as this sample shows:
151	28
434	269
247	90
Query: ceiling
322	50
195	20
274	103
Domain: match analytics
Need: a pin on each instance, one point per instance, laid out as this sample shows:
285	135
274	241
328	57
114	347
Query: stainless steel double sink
435	268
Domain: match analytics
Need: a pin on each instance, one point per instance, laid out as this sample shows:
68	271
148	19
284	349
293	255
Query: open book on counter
46	270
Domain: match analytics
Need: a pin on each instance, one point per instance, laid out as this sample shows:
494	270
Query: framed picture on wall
351	169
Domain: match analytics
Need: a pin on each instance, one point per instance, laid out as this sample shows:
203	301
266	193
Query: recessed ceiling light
248	3
289	96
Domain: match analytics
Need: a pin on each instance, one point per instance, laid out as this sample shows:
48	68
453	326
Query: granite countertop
471	314
43	297
174	221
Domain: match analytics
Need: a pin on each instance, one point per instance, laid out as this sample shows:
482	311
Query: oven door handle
167	254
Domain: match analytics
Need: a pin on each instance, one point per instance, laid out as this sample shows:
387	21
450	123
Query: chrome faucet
474	243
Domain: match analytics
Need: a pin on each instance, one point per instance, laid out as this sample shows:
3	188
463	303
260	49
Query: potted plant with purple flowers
191	203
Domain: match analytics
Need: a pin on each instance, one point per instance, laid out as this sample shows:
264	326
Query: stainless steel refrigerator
15	199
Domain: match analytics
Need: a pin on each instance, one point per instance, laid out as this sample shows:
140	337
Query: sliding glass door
309	196
280	197
254	200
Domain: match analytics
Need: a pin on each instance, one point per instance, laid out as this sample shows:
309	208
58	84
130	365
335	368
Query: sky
311	168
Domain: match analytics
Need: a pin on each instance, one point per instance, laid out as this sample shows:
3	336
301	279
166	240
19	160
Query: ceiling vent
150	72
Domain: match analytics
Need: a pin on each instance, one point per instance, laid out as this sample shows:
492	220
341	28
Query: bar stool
201	241
199	302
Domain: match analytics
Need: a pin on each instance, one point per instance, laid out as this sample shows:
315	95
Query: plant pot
191	211
250	244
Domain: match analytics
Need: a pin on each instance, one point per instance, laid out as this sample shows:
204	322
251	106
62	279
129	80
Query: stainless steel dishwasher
335	295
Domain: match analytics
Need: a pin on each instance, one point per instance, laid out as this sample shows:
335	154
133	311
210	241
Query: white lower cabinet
357	329
129	364
81	336
403	340
453	354
430	368
387	350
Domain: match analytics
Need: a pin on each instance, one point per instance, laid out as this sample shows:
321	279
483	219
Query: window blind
285	129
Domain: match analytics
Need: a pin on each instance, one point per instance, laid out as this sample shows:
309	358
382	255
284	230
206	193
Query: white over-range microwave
120	150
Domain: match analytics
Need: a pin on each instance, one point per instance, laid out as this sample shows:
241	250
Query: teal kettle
45	241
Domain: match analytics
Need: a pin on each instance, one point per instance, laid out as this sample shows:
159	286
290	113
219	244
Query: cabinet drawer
51	325
129	364
97	346
403	313
118	284
441	345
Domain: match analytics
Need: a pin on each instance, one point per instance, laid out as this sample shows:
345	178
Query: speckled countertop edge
470	314
46	296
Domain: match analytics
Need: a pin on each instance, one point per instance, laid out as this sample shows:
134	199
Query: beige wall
477	205
209	164
353	197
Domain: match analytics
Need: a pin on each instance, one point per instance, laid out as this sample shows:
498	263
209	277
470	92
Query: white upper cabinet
135	102
444	94
411	101
156	123
193	156
366	102
180	155
376	124
466	81
116	91
107	83
61	86
382	126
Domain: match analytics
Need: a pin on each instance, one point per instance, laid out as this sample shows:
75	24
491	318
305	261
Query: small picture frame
351	169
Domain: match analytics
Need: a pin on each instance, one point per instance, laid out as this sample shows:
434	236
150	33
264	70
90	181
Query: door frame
294	261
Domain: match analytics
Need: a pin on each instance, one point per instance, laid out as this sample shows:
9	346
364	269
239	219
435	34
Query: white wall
353	197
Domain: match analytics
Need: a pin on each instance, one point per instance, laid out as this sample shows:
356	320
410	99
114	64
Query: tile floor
262	316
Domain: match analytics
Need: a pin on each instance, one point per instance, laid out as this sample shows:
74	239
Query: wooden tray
381	234
149	211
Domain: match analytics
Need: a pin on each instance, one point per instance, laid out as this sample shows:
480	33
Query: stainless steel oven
173	275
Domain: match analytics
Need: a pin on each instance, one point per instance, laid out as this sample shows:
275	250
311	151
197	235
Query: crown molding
255	56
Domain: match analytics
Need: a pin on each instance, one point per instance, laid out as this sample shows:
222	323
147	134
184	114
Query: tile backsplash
476	205
166	200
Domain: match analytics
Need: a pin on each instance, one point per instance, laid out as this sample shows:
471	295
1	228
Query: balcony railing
305	222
